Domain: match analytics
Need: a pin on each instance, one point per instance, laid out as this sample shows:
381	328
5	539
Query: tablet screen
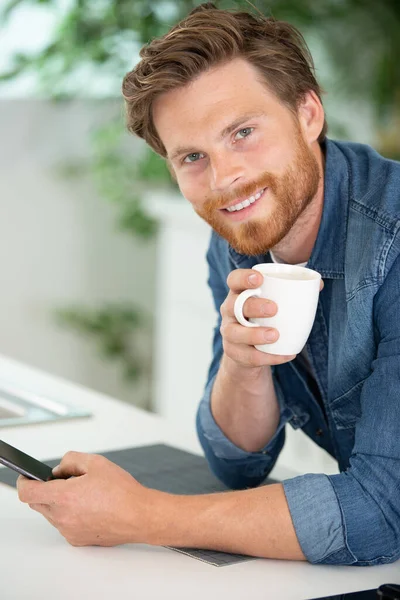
364	595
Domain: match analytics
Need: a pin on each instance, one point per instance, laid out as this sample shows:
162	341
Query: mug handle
238	306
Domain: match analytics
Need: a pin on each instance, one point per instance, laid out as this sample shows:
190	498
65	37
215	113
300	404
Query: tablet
389	591
23	463
364	595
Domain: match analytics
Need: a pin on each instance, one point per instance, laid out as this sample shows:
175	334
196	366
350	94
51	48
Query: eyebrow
226	131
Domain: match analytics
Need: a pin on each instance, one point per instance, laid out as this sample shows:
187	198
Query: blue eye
244	133
193	157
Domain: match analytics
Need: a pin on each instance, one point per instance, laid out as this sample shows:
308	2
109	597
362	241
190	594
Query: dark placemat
167	469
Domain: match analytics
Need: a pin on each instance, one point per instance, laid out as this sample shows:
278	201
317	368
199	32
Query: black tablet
364	595
389	591
23	463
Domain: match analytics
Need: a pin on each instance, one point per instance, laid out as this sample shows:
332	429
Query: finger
259	307
252	308
321	285
38	492
243	279
73	464
248	356
254	336
29	490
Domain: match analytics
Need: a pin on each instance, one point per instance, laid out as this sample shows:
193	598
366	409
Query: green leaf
112	327
153	169
135	220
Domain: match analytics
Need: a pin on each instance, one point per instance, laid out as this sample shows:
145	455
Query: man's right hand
239	341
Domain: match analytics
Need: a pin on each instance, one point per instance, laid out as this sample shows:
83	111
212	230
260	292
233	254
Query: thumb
73	464
321	285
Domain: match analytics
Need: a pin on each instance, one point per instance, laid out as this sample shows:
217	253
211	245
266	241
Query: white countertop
37	563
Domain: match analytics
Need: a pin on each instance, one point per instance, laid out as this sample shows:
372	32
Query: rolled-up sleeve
348	519
235	467
354	517
317	519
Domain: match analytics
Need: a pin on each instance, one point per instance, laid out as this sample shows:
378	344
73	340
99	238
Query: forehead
213	99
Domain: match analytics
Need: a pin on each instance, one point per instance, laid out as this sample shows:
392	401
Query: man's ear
311	116
171	169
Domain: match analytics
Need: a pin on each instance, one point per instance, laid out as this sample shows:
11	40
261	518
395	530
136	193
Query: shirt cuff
317	519
221	446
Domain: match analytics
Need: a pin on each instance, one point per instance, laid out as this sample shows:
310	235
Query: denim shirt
352	407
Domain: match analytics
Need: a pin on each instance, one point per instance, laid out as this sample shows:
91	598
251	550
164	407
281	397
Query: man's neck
297	245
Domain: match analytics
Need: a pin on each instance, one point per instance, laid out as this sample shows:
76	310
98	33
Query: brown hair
208	37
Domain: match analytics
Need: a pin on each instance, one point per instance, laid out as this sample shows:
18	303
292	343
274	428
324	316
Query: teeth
245	203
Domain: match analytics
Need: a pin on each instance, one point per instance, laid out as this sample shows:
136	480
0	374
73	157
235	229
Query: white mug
295	290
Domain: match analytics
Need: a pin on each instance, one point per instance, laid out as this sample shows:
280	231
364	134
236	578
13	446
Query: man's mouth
245	203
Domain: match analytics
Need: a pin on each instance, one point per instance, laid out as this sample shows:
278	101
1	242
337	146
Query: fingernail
266	307
253	279
270	335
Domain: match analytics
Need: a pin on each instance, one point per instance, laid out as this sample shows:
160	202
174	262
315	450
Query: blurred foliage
114	327
100	39
103	37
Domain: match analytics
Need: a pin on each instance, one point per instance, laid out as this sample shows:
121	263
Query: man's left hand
102	505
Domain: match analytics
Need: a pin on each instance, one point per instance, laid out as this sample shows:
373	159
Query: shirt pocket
346	409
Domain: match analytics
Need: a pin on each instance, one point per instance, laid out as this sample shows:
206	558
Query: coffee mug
295	290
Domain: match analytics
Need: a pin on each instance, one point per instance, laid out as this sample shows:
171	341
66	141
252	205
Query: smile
245	203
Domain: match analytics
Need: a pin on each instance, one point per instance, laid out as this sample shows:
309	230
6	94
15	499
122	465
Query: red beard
291	193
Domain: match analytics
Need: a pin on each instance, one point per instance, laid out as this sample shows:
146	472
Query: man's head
230	100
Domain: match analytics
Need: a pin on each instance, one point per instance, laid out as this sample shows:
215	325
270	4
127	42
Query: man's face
239	155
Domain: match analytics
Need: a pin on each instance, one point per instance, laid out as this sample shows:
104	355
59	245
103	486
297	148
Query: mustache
220	200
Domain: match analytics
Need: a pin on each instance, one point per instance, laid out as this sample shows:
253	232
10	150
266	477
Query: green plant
112	325
100	40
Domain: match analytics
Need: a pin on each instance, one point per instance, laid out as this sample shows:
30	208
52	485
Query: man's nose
224	172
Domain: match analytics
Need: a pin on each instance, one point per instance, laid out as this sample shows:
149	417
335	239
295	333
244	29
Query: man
231	101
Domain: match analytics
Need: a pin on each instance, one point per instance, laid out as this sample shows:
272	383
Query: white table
36	563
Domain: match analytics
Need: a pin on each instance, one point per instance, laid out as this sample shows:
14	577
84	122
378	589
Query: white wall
59	245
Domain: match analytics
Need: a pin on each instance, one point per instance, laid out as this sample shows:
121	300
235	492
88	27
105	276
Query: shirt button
265	452
319	432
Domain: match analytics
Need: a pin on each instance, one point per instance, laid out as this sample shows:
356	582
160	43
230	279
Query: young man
231	101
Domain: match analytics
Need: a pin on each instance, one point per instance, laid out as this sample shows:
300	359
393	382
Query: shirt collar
327	256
